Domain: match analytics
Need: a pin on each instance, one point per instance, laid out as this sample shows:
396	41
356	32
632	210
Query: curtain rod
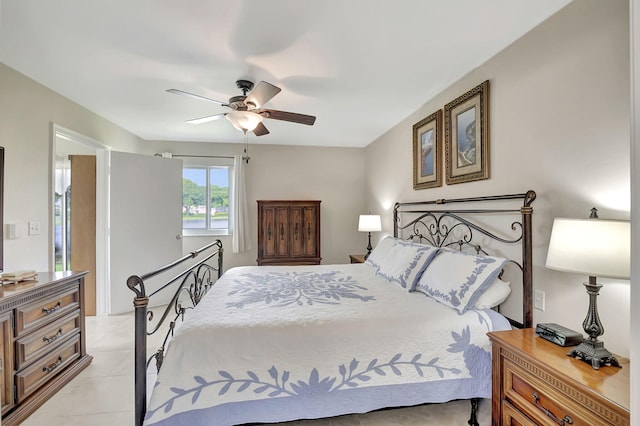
157	154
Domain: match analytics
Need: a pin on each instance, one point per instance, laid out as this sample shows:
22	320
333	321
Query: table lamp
593	247
369	223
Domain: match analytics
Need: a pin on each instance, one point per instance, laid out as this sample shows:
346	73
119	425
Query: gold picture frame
427	152
466	143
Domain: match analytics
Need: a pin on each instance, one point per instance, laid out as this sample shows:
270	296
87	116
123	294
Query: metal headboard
435	223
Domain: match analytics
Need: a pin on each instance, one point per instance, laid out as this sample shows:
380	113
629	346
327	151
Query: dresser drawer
513	417
36	314
43	369
34	345
542	402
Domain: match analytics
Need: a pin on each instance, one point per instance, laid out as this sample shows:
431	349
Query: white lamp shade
595	247
369	223
244	120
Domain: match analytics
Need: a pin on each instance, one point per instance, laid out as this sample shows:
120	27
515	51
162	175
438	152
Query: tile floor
103	393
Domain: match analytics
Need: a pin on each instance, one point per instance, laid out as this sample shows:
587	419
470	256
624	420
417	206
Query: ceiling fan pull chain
246	157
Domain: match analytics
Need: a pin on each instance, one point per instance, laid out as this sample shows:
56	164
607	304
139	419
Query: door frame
102	193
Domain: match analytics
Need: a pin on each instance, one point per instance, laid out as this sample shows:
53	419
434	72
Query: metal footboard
188	287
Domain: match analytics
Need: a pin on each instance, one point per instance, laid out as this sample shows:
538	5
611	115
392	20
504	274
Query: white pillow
457	279
405	262
494	295
380	251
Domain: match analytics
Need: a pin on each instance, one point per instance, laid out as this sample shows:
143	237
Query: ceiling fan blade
261	94
288	116
206	119
191	95
260	130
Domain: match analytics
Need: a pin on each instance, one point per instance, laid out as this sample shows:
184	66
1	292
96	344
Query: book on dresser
535	382
42	340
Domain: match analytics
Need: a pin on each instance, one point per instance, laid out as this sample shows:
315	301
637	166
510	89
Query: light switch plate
34	228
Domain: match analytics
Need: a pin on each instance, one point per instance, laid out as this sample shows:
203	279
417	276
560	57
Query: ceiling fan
247	112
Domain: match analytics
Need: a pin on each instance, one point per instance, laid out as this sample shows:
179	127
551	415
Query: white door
145	209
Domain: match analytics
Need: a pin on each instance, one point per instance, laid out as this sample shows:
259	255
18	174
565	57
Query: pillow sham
497	293
380	251
457	279
405	262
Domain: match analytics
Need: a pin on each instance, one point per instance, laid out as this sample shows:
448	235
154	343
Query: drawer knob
565	420
53	366
53	309
52	338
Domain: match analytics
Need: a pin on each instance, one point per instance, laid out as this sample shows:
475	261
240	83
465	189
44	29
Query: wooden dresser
288	232
536	383
42	342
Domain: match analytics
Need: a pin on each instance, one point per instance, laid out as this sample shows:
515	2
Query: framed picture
467	136
427	152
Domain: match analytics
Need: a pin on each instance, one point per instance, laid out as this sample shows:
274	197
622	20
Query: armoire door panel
297	223
283	231
310	239
268	232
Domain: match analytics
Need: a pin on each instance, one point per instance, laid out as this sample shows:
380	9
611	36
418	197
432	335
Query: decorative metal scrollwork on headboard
448	229
435	223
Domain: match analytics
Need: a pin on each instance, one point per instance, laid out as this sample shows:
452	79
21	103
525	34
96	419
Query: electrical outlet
538	300
34	228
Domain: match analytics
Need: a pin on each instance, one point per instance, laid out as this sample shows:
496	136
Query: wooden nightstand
356	258
536	383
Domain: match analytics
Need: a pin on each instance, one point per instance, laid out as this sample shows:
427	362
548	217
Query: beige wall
559	121
27	112
635	200
333	175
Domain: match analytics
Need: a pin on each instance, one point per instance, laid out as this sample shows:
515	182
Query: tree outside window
209	214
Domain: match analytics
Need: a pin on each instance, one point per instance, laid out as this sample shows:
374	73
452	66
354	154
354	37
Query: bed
266	344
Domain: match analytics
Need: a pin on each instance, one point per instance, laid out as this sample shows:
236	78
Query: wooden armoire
288	232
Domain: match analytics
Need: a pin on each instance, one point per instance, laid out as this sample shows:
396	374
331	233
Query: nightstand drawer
31	347
541	401
47	309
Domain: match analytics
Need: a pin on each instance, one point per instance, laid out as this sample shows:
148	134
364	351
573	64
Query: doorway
77	219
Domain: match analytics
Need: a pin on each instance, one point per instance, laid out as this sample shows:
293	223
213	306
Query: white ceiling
360	66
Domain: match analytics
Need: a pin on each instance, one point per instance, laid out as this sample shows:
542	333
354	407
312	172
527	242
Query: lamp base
369	248
595	353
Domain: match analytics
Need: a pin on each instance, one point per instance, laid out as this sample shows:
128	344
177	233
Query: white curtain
241	227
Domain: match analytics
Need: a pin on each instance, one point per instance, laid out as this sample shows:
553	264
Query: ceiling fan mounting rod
244	85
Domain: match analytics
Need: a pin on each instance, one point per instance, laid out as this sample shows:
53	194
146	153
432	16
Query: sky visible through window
219	176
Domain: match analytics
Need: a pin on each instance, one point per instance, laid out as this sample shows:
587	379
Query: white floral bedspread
270	344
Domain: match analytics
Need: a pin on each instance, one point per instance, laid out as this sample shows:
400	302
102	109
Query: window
206	198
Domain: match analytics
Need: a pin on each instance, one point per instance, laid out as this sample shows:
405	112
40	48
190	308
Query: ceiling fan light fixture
245	121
